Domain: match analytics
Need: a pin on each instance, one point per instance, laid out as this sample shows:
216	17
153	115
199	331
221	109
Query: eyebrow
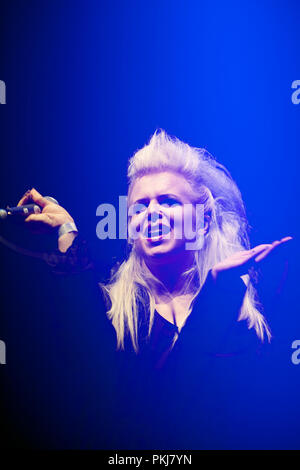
141	201
160	196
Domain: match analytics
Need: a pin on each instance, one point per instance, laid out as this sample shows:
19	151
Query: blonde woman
162	299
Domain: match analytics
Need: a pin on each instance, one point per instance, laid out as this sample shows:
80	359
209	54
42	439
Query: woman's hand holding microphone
52	217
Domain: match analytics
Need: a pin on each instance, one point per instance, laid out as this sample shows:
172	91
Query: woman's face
161	206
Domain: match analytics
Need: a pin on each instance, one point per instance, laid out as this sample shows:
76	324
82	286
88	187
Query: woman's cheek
135	223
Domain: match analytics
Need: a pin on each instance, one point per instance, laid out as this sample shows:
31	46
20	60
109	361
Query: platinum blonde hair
131	286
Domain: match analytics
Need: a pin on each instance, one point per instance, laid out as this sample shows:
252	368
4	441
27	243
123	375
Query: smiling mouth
157	232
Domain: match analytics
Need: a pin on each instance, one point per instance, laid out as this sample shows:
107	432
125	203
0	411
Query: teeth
157	231
155	234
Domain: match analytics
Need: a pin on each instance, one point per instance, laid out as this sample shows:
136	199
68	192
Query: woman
166	175
161	300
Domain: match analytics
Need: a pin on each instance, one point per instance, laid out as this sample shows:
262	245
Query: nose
154	211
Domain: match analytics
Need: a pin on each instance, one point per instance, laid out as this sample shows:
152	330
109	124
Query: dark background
87	84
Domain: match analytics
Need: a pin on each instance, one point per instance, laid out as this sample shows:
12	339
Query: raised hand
242	261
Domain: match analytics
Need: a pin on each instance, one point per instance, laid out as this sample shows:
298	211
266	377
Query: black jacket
184	397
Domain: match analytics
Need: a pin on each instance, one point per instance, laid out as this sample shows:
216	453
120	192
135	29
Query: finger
25	198
250	256
34	196
275	244
38	218
286	239
38	198
266	252
258	249
39	223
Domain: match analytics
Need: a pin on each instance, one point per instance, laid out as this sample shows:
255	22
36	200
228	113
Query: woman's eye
169	202
136	209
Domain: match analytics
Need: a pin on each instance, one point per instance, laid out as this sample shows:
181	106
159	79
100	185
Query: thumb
38	198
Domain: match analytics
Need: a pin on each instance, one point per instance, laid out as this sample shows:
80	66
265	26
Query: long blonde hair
131	286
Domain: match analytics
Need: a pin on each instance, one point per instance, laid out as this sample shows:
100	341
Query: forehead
165	182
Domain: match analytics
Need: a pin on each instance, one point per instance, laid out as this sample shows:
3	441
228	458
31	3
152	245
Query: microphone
25	210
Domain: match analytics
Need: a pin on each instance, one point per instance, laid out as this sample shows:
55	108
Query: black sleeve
213	327
84	331
60	384
76	259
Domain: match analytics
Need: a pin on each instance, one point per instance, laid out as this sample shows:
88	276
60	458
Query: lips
156	231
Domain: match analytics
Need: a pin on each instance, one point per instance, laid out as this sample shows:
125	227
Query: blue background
89	82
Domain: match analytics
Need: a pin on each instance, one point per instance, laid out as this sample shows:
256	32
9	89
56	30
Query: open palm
242	261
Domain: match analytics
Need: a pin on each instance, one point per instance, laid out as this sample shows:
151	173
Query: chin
163	251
